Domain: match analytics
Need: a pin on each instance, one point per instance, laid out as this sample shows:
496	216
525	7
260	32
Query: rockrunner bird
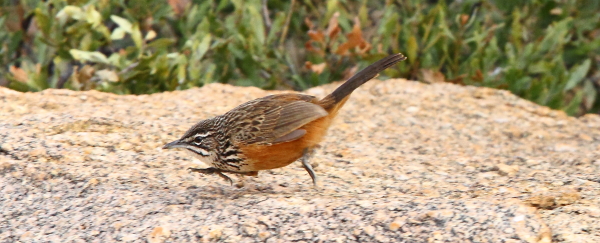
270	132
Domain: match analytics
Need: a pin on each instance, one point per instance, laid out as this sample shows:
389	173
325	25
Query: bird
270	132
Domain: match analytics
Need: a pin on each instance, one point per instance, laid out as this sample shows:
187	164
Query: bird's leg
212	170
308	167
219	172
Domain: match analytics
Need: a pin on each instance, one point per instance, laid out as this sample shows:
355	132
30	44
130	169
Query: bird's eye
198	139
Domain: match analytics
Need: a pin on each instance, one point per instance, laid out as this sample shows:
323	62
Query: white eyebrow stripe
206	134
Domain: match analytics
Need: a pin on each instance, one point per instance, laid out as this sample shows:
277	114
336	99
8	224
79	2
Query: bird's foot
219	172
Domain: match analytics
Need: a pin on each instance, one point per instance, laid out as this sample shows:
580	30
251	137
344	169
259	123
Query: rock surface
403	161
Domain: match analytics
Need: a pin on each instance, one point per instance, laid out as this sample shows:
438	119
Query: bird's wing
275	118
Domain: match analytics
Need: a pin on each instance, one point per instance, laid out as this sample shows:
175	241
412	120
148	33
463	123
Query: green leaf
88	56
136	35
236	51
123	23
69	11
43	21
86	41
161	43
173	55
104	31
118	34
115	60
209	73
573	107
516	28
257	24
92	16
204	27
556	36
223	4
590	94
412	48
182	62
275	28
203	47
577	74
18	86
332	7
510	53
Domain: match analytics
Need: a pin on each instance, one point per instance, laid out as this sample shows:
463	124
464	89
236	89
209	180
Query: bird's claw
212	170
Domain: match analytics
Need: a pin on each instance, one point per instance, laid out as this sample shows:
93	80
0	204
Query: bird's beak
174	144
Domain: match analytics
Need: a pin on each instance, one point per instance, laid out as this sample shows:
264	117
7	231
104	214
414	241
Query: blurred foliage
546	51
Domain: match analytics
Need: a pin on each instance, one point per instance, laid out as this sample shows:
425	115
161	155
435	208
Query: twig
129	68
265	12
287	23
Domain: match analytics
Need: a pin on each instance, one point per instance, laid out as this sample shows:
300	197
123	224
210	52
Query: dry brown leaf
342	49
75	78
15	17
355	39
502	86
334	33
307	64
108	75
81	77
556	11
478	77
147	23
333	27
431	76
19	74
150	35
458	79
179	6
316	35
364	48
464	19
308	23
309	47
317	68
86	72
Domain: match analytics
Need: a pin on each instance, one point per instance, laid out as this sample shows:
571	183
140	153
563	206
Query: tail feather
339	95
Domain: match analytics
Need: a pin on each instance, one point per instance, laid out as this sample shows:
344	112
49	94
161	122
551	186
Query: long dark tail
339	95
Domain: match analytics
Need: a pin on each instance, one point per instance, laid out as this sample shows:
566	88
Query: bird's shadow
253	189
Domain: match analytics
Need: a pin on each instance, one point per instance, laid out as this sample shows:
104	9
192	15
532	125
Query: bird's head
199	140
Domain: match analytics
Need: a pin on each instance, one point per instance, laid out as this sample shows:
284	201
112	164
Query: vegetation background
546	51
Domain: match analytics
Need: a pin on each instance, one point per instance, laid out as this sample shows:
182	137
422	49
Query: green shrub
543	50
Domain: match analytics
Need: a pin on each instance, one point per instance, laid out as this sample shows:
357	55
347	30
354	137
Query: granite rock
403	162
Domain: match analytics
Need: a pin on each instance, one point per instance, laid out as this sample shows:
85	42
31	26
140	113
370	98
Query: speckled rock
403	162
